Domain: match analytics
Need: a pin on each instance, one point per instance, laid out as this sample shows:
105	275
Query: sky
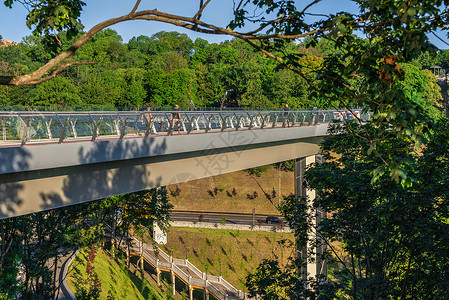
218	12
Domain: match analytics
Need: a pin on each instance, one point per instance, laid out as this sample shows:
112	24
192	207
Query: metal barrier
204	280
22	127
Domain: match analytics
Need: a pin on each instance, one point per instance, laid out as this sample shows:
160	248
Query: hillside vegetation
116	281
216	193
239	252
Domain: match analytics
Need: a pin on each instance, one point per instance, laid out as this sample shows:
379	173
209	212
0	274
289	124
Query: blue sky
219	12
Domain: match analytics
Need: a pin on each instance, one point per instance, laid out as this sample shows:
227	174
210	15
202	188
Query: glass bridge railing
22	127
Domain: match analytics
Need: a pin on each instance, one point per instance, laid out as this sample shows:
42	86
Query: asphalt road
219	217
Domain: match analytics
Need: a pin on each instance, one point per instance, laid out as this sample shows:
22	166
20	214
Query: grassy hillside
200	194
239	252
115	280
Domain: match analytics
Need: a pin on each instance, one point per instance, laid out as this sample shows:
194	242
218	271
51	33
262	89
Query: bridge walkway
27	127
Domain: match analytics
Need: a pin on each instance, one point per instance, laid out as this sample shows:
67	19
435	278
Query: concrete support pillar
311	266
127	257
140	263
158	276
173	281
206	292
141	255
190	292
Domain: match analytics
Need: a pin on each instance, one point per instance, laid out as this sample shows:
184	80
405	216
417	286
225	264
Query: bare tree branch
190	23
200	11
64	66
310	5
136	6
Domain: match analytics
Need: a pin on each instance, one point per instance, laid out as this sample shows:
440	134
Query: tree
358	70
60	91
384	240
268	281
422	88
33	243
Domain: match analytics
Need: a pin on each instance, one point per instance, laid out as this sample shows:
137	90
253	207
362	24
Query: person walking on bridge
147	119
175	119
286	115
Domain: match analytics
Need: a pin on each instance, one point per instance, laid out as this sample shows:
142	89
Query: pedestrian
175	119
286	115
146	115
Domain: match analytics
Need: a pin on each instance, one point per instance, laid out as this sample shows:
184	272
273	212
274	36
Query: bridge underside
41	189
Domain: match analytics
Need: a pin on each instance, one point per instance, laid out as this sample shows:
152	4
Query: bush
258	170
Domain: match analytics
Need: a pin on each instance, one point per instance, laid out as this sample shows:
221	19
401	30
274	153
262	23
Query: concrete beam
109	171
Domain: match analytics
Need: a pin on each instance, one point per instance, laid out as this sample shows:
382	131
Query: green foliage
60	91
168	89
384	240
13	61
53	15
102	87
31	243
90	287
287	166
105	47
389	234
268	281
51	18
133	81
421	87
168	68
258	170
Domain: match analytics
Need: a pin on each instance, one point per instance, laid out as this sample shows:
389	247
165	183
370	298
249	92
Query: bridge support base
173	281
158	276
311	255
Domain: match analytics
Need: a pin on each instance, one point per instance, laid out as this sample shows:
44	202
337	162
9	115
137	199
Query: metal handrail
60	126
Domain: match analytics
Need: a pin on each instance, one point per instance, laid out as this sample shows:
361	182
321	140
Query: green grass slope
115	280
239	252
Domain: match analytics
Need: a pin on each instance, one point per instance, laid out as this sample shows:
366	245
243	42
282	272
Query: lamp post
220	267
171	254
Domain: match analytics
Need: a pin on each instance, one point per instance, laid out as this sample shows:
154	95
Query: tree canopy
383	240
370	46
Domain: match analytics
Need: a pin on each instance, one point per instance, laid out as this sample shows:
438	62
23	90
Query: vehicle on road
271	220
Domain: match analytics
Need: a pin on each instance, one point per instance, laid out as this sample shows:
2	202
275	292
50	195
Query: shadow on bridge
106	179
106	169
11	160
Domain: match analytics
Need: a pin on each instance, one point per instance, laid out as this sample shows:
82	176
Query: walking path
192	277
185	271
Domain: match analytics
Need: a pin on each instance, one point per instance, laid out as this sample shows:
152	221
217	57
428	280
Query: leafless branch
440	38
56	37
190	23
266	24
310	5
135	6
200	11
238	6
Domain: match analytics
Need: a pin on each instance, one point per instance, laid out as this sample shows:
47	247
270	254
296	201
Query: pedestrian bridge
54	159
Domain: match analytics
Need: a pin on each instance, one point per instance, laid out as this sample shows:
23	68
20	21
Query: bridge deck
43	170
